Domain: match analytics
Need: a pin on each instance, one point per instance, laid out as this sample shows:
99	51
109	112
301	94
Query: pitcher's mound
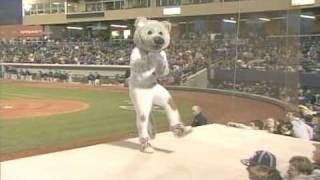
23	108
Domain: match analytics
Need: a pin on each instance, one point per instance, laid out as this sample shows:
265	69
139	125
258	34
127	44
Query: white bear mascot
148	62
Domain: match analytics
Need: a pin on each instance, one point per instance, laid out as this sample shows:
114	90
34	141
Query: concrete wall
104	70
277	77
45	19
285	106
111	70
198	80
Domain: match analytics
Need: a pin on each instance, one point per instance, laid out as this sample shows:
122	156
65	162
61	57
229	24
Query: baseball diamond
98	116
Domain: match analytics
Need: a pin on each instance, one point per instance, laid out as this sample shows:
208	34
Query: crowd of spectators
263	166
188	54
286	93
191	51
49	52
268	53
265	88
185	58
302	122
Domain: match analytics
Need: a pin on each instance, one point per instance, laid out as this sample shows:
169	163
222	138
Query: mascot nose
158	40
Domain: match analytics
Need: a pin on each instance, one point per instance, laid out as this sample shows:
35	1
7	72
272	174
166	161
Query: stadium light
126	33
118	26
264	19
229	21
171	10
74	28
302	2
307	16
27	7
277	18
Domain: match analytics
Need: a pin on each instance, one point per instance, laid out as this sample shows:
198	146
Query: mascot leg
142	101
163	98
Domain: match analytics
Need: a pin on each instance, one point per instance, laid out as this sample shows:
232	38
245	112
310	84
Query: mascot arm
163	66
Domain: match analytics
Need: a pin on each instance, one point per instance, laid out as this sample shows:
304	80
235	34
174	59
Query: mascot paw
146	147
180	130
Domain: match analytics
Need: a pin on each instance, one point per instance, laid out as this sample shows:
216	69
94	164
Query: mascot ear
140	22
167	25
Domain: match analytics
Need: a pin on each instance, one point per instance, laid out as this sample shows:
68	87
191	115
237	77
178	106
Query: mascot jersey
146	66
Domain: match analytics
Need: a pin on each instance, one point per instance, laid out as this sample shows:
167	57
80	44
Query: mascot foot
146	147
180	130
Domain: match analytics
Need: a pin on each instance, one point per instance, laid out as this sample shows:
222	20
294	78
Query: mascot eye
160	33
149	32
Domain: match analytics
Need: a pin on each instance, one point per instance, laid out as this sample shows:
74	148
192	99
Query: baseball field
39	118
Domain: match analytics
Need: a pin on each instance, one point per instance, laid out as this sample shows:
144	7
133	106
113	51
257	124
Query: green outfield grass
104	118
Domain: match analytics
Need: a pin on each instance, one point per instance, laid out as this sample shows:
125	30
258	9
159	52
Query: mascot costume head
148	62
151	35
